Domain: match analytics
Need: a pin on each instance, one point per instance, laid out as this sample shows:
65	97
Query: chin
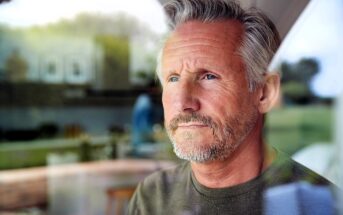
200	152
203	151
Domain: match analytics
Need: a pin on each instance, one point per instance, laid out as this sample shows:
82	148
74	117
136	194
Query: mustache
191	117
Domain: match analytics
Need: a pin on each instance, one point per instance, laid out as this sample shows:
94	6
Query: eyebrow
200	64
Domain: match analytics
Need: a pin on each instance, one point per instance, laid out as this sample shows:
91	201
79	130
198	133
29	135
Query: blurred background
81	120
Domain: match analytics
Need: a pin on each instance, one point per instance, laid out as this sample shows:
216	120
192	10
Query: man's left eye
210	77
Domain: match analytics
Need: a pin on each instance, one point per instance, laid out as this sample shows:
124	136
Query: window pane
308	60
70	75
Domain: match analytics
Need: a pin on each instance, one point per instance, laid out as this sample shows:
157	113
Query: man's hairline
238	50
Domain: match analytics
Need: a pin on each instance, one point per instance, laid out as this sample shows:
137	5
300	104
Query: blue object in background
142	121
299	199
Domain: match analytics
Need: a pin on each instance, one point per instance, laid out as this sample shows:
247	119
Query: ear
269	92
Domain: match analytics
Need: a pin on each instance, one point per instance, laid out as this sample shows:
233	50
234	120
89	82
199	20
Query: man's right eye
173	79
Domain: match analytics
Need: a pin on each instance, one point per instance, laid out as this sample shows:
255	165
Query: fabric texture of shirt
177	192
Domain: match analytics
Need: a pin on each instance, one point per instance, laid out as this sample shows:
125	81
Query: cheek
167	103
220	104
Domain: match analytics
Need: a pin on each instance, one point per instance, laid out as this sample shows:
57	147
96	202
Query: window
308	59
70	73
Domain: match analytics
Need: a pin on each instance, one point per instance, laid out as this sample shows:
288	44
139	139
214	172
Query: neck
244	164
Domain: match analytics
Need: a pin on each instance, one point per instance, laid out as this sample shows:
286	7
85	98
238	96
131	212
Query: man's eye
173	79
210	77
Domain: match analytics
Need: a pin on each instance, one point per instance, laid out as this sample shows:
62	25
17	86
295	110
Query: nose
187	97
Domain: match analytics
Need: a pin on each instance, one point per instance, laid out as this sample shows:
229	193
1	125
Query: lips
191	121
191	125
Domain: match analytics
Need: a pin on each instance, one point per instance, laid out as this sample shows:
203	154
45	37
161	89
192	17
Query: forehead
203	42
219	28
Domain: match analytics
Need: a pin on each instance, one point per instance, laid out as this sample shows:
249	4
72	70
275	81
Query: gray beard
226	139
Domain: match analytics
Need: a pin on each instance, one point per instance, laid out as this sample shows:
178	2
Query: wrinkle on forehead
231	31
186	64
195	45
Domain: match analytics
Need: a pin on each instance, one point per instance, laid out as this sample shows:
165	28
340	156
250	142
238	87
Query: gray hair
260	39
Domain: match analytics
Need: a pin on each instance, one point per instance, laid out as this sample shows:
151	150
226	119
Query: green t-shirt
176	191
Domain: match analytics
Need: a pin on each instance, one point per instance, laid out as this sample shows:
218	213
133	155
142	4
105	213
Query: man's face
208	108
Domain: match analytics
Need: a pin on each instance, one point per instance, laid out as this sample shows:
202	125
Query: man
216	91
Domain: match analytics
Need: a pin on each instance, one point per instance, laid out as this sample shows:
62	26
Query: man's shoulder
168	176
160	190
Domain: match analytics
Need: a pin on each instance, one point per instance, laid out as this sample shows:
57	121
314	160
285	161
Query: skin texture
210	115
